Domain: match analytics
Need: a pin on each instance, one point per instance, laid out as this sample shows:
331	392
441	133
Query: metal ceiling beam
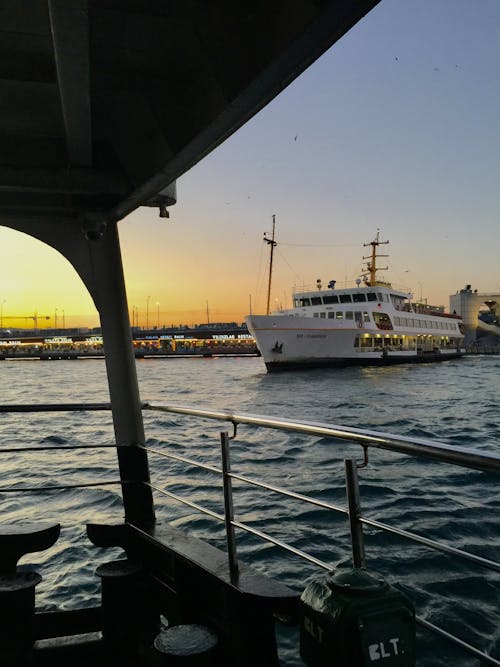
69	22
76	181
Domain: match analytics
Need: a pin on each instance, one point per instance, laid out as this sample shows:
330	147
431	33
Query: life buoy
360	324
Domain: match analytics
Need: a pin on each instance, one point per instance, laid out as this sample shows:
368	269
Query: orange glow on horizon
174	274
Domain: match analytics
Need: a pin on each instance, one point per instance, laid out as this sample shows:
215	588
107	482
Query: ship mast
371	264
271	242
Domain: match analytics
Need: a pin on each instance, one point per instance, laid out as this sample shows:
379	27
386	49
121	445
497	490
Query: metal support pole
111	300
228	505
354	506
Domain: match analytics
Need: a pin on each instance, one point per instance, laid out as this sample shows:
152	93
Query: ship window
315	314
371	296
356	341
331	298
339	315
366	342
345	298
397	321
349	315
358	297
366	316
323	315
316	300
305	302
331	315
382	320
380	296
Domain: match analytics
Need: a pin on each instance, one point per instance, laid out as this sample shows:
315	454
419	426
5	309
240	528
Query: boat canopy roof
107	102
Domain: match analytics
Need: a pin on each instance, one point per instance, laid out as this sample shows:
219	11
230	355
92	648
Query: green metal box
354	618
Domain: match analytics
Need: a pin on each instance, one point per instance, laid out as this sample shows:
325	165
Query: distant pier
202	341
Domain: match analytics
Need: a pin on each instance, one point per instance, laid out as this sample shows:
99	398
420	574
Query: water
455	402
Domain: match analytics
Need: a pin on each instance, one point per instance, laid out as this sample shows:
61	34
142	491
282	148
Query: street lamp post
147	312
1	313
157	314
135	316
55	318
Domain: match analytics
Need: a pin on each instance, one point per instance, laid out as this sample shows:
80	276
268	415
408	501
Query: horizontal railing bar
282	545
43	489
291	494
54	407
195	506
243	526
470	458
438	546
455	640
416	446
11	450
183	459
248	480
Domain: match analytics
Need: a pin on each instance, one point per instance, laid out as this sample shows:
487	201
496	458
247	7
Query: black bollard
17	590
187	646
17	611
130	617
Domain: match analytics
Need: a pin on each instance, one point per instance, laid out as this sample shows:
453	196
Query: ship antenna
271	242
371	264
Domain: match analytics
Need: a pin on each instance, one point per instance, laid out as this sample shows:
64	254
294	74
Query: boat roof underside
106	102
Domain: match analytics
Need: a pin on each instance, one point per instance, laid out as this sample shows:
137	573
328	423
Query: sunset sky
396	127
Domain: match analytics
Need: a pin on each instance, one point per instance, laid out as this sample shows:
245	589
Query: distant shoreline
71	355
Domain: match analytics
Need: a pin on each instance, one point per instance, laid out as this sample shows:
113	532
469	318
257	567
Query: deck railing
366	439
445	453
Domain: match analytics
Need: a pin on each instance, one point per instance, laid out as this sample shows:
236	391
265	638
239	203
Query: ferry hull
329	362
288	343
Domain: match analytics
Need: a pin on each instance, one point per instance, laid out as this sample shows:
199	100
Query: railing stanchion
228	505
354	504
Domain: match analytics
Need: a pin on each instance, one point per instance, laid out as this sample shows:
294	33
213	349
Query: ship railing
366	439
445	453
348	284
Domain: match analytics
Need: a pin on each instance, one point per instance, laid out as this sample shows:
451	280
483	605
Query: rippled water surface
455	402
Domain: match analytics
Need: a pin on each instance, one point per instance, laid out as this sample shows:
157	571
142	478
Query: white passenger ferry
369	323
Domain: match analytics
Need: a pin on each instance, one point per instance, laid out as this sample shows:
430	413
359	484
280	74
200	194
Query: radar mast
271	242
371	263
